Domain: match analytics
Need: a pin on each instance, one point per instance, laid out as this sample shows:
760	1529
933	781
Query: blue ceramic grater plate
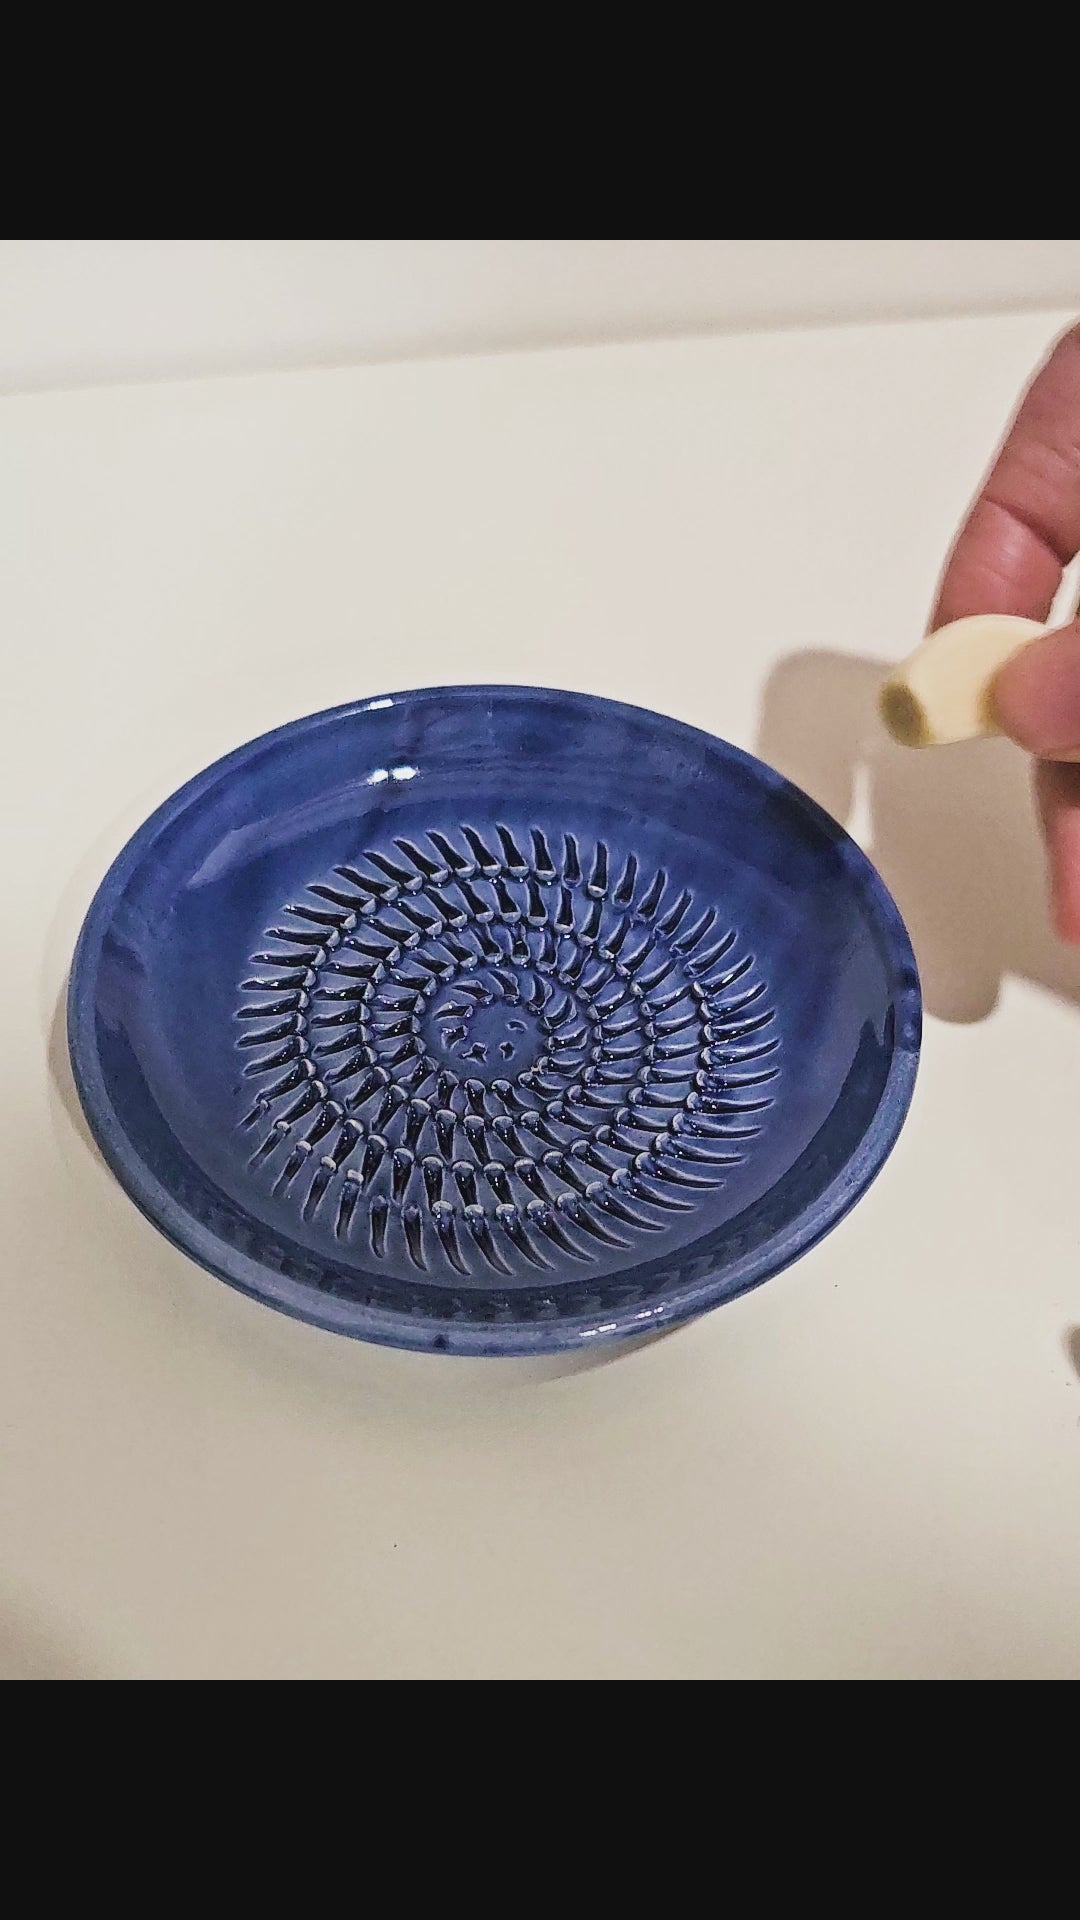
493	1020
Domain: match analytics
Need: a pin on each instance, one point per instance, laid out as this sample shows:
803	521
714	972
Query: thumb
1037	695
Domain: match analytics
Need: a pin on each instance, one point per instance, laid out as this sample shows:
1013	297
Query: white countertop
870	1466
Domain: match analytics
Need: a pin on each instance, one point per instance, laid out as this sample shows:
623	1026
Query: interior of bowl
486	1019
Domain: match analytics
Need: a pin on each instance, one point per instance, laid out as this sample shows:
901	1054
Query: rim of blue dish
406	1330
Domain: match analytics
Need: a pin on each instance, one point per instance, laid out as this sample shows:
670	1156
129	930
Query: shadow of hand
953	832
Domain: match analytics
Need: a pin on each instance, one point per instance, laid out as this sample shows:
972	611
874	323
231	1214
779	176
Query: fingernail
1037	693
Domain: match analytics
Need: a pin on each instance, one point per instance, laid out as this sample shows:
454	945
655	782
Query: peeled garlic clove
943	691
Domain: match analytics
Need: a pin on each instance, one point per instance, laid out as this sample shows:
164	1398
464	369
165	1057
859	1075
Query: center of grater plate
480	1052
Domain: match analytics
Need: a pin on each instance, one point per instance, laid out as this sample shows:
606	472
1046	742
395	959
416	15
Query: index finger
1025	525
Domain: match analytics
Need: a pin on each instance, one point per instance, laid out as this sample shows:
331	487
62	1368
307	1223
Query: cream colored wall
77	312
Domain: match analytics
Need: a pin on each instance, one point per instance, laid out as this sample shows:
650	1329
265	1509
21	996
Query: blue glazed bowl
493	1020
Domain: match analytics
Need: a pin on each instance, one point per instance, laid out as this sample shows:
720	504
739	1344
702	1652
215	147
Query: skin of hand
1009	555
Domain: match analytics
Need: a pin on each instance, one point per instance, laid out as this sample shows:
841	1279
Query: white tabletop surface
869	1467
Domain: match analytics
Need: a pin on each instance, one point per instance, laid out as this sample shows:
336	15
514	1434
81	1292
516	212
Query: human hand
1008	558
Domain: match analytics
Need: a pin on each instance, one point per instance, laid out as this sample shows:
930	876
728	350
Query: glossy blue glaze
493	1020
